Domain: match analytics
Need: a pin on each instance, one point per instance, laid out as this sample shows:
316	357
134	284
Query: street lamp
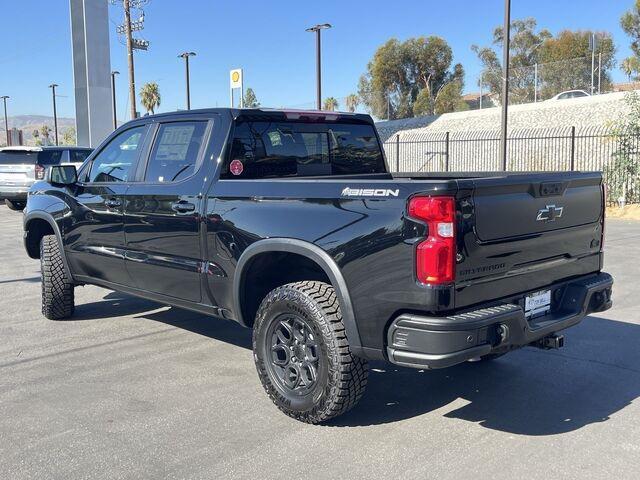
317	29
113	97
55	113
6	119
186	56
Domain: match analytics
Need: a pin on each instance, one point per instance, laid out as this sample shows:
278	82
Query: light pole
186	56
505	81
6	119
55	113
317	29
113	97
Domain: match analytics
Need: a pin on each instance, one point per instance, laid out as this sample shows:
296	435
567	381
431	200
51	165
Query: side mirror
62	175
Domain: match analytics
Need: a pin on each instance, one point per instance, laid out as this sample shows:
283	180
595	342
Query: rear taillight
604	211
436	256
39	172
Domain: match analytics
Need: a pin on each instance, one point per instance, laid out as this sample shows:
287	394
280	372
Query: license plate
537	303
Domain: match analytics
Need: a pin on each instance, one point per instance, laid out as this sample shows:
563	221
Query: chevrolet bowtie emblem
549	213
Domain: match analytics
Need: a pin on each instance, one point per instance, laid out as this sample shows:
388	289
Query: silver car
20	167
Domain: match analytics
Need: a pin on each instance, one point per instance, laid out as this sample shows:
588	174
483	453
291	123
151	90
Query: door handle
113	203
183	207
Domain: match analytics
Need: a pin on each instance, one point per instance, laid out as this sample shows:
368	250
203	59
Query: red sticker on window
236	167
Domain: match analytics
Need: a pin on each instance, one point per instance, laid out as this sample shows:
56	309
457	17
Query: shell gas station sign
235	82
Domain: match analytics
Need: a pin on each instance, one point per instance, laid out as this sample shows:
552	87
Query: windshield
20	157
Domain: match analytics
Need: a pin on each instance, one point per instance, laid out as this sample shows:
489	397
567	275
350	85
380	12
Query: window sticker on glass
175	153
175	142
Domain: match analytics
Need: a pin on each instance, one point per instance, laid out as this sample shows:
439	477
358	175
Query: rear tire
57	287
302	354
16	206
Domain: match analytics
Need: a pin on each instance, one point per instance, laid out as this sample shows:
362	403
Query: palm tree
352	102
330	104
150	96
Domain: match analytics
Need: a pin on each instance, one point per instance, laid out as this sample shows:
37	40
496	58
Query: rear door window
174	155
263	149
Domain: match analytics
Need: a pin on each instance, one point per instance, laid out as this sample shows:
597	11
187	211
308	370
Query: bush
622	174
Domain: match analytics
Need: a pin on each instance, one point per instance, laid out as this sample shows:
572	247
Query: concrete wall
599	110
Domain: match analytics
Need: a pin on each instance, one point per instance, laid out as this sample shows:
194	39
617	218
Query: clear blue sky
268	40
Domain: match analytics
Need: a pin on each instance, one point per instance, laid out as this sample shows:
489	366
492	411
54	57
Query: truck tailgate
522	232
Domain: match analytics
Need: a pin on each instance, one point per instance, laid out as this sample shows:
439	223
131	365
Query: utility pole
127	32
186	56
55	113
317	29
113	98
6	119
505	81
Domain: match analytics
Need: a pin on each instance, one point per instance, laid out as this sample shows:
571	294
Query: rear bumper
437	342
13	192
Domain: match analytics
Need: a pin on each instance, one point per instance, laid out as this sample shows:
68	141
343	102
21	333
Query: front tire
57	287
302	354
15	206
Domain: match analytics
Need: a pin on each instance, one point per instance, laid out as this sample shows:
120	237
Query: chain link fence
562	149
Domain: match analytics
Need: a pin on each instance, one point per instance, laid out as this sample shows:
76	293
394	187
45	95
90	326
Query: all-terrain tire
57	287
15	206
341	376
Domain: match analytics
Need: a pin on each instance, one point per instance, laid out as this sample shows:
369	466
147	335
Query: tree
564	61
45	131
524	53
330	104
401	71
352	102
36	134
631	68
150	97
449	99
630	23
250	99
69	136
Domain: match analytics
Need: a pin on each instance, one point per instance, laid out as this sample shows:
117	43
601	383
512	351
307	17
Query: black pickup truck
289	223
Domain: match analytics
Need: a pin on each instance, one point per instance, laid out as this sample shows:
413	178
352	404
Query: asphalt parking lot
132	389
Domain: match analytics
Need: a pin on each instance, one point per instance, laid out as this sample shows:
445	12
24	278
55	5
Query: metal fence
563	149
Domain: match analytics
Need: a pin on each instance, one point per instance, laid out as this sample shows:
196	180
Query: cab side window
117	161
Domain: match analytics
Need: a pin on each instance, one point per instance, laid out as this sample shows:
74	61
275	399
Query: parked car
290	223
570	94
21	166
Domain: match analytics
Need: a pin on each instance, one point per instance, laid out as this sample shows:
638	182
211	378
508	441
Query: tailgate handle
549	189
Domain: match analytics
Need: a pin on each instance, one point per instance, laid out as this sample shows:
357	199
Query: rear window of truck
267	149
20	157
